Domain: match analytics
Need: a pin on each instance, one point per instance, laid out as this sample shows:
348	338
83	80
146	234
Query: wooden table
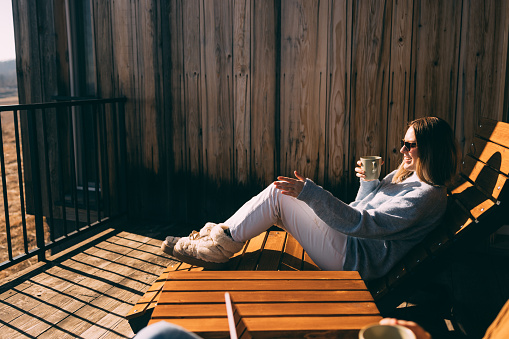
272	304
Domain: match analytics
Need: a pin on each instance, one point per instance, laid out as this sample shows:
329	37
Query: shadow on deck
86	291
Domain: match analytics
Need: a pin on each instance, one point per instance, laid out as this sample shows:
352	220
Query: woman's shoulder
425	189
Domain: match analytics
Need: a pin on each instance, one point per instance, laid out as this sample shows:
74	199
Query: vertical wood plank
435	62
153	99
242	90
105	68
217	116
337	166
178	128
303	66
370	72
263	93
130	79
191	77
482	66
191	80
399	82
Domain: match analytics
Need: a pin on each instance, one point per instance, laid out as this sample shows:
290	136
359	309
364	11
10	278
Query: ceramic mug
378	331
371	166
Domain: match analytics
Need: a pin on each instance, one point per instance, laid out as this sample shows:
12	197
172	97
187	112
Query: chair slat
494	155
472	199
249	260
292	256
271	255
493	130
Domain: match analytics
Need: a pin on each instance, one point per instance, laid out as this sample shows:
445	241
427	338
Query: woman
370	235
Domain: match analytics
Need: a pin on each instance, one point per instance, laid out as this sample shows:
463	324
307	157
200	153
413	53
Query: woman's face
410	155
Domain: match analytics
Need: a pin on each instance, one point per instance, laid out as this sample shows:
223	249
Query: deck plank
86	292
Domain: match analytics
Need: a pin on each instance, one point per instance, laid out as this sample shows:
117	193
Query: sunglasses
408	145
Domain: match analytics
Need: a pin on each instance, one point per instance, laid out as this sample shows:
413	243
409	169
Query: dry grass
12	191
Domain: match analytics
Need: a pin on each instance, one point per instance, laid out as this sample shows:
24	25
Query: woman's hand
290	186
360	172
420	333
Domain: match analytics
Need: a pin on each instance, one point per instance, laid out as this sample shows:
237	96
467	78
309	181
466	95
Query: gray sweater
383	223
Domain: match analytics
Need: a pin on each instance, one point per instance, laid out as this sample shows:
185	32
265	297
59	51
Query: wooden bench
476	209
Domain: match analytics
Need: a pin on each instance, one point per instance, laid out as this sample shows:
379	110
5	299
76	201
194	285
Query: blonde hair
438	158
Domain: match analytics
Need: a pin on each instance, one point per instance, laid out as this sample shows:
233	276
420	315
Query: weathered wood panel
264	92
226	95
482	66
217	104
399	82
437	28
370	73
303	79
337	164
242	90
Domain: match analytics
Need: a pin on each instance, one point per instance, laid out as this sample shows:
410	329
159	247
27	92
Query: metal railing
67	174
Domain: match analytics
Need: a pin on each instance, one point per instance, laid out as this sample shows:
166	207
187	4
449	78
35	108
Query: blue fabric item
165	330
383	223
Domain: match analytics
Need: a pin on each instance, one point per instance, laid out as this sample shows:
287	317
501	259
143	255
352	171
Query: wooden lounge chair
476	208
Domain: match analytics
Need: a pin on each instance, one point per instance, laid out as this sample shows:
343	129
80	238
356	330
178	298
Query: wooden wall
224	95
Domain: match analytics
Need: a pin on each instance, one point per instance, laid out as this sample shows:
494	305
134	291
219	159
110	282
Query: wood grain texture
264	93
217	103
370	69
268	302
337	164
242	13
399	82
303	79
435	64
480	66
223	96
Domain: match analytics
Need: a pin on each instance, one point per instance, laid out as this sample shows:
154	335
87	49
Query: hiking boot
211	251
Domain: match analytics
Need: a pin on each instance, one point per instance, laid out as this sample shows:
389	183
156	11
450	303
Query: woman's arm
391	215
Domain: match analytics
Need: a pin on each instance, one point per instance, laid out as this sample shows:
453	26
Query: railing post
36	184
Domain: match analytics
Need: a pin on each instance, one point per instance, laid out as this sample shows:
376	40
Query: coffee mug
371	166
377	331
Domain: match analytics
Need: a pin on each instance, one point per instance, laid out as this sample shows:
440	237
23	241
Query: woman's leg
325	246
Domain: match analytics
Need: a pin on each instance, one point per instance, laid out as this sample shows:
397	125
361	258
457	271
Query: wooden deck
87	291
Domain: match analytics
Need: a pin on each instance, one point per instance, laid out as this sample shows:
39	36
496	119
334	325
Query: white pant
325	246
